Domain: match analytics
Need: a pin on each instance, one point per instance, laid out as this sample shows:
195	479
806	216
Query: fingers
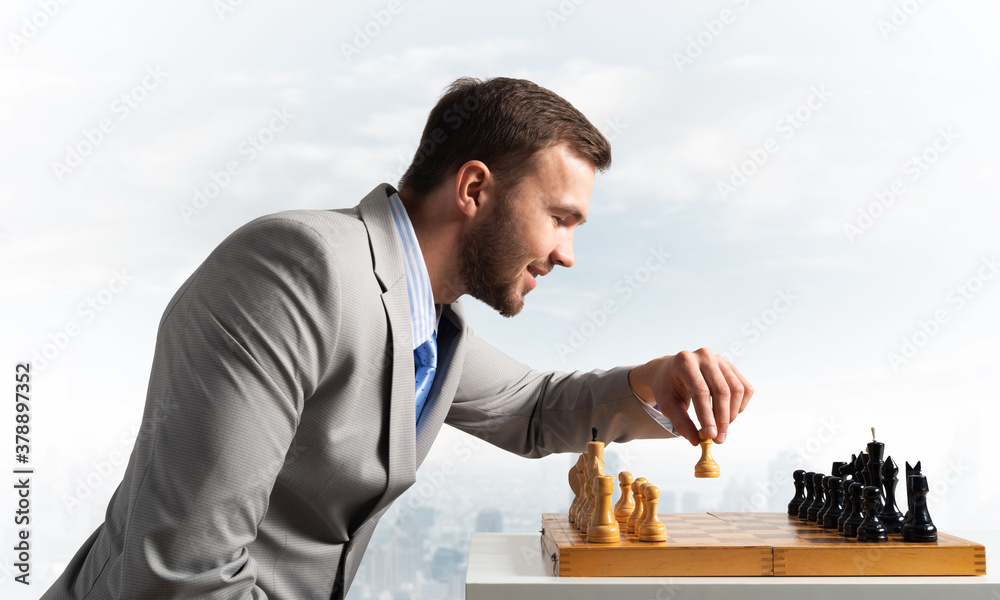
715	386
718	385
717	389
736	389
676	411
747	389
697	389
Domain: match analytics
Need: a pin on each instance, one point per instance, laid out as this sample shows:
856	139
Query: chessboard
752	544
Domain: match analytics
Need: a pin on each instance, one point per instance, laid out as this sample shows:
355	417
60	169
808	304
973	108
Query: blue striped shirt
423	314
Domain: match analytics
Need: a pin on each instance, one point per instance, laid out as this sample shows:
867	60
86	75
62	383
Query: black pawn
827	501
798	477
819	497
832	516
890	515
914	470
845	489
920	528
872	529
857	514
804	507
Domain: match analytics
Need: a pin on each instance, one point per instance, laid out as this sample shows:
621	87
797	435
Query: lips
533	274
532	278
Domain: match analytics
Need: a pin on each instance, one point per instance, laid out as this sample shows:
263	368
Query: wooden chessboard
752	544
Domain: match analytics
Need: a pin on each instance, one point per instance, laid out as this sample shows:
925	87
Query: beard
493	260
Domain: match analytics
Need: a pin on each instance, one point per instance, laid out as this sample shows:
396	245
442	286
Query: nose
562	254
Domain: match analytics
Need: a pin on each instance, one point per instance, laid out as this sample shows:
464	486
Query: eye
559	221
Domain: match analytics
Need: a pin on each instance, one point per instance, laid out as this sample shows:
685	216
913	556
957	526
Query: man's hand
718	390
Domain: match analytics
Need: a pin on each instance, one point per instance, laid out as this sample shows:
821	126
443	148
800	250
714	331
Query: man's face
528	231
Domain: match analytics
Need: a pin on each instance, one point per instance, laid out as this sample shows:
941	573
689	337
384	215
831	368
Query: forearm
534	414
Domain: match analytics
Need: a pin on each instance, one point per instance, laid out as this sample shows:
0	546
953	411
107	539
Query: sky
806	189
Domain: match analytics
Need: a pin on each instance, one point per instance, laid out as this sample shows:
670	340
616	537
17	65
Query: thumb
674	409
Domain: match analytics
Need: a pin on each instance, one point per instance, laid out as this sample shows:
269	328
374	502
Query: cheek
538	242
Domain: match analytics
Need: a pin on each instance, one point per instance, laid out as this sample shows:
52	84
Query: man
302	372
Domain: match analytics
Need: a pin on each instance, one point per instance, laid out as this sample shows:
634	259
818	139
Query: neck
438	232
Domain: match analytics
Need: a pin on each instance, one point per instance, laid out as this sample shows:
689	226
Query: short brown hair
504	123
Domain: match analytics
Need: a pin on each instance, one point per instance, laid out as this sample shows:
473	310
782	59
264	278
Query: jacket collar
387	262
387	254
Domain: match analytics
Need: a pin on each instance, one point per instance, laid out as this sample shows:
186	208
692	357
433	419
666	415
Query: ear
473	185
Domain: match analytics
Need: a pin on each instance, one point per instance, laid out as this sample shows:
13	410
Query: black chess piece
804	507
914	470
872	529
857	515
862	465
819	497
920	528
848	470
832	516
845	489
798	478
827	501
876	450
890	515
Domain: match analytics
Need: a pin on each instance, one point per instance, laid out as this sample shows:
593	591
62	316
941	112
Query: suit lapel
388	265
408	443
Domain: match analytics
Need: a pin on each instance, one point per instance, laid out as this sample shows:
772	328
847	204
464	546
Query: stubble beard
490	259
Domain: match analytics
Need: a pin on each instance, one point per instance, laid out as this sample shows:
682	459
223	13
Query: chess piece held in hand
706	467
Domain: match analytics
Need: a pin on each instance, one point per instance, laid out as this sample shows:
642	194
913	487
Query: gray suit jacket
279	418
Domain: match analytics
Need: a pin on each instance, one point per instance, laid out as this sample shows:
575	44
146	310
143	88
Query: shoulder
336	232
325	224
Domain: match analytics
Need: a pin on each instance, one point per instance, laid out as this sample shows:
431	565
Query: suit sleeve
534	414
238	351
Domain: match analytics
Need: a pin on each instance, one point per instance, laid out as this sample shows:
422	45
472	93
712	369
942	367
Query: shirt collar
424	315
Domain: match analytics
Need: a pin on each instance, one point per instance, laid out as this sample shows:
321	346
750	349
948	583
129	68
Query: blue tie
424	366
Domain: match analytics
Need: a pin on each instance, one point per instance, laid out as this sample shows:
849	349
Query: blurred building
489	520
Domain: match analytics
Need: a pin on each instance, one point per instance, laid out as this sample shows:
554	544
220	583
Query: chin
513	304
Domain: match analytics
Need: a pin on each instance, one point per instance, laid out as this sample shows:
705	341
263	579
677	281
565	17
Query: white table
505	566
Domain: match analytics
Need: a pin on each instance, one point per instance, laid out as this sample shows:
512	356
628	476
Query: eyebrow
571	211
